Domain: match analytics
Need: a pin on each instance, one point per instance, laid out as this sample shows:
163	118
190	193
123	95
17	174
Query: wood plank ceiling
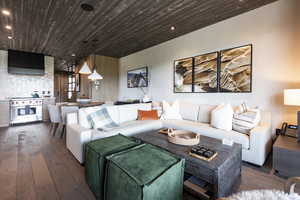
115	28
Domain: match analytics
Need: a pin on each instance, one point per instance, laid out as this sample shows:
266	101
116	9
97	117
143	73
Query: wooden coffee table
222	174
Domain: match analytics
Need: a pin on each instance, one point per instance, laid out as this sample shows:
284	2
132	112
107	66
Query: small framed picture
137	78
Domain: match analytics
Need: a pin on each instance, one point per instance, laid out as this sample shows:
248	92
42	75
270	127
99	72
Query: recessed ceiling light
10	37
8	27
73	55
5	12
172	28
87	7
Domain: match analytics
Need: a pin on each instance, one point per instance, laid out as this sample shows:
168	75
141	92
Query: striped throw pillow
244	122
241	108
101	120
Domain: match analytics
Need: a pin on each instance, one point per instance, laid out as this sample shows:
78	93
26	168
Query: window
71	85
73	81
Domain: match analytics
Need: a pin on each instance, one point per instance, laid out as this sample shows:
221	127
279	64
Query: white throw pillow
189	111
171	111
205	113
221	117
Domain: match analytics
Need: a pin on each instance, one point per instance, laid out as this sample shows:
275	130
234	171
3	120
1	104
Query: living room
181	99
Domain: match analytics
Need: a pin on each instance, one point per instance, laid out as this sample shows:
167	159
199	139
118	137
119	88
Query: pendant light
85	69
95	75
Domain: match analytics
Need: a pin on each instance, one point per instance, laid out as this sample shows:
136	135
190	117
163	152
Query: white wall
272	31
23	85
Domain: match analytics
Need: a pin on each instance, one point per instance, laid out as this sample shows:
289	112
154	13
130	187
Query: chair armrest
72	118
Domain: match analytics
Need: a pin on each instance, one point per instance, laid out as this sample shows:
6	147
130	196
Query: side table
286	156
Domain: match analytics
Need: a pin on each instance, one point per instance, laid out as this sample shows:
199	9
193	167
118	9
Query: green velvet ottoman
144	172
95	162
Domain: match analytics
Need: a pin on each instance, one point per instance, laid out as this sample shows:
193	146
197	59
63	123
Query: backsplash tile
23	85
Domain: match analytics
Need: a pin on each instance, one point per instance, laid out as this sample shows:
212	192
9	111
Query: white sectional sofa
196	118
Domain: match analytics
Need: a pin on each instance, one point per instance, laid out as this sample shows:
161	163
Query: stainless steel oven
23	110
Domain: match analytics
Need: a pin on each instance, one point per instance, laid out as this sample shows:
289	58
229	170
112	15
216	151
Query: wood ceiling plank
186	25
154	28
122	27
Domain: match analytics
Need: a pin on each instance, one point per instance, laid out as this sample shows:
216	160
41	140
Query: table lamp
292	98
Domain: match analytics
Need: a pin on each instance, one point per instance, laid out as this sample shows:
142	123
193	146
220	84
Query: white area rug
264	195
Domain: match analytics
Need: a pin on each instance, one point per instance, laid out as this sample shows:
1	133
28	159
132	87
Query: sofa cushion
206	130
221	117
100	119
82	119
113	112
205	113
244	122
129	128
83	113
147	115
171	111
189	111
130	112
241	108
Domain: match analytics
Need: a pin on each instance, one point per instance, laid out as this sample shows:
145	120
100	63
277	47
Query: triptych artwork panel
229	70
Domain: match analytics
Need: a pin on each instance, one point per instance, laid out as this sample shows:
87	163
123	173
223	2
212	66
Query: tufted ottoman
144	172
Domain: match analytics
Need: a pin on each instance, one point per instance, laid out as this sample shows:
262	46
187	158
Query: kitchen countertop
8	99
83	105
4	100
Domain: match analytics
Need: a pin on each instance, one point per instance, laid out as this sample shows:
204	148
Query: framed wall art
206	73
183	75
137	77
229	70
236	69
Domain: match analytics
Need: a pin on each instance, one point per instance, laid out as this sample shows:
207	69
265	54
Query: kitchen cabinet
46	102
4	113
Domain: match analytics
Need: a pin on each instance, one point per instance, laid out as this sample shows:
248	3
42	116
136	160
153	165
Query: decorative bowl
183	137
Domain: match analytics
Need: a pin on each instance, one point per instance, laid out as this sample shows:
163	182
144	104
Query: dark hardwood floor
35	165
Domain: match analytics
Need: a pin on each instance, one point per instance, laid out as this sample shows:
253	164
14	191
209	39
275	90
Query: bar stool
55	118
